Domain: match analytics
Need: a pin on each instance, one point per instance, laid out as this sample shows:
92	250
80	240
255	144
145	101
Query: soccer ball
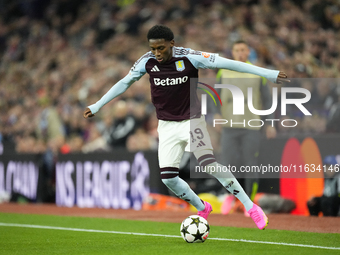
195	229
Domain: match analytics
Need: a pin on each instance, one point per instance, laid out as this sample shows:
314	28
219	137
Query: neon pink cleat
258	216
246	214
207	210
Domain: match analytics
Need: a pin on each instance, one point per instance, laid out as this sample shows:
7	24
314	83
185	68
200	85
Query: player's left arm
272	75
213	61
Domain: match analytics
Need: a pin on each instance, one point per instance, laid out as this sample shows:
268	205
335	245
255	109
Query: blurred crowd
59	56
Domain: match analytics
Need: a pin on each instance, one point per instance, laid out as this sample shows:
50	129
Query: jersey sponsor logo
155	69
180	65
170	81
206	55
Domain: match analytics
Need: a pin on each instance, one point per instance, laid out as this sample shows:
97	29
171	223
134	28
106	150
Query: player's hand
282	77
87	113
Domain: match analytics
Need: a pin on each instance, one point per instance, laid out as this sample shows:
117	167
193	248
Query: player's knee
169	176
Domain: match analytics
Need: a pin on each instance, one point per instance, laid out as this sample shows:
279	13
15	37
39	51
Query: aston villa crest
180	65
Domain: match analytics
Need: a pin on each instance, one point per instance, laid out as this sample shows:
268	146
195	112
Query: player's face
240	52
162	49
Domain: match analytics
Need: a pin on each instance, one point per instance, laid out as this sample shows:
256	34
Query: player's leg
228	180
231	151
170	152
206	158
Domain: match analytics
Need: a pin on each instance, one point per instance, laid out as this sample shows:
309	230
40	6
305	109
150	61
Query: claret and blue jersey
170	81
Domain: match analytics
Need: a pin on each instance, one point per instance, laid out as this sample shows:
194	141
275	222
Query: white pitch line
158	235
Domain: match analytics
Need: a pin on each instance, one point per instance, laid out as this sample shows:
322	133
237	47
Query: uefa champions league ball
195	229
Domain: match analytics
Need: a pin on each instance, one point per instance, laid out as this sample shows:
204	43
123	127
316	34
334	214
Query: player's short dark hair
160	32
239	42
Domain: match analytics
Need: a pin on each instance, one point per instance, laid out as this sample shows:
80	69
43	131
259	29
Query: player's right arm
119	88
136	72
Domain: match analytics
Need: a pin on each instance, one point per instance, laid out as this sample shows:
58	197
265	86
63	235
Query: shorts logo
180	65
201	143
206	55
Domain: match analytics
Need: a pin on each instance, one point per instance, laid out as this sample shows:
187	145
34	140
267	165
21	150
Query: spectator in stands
123	125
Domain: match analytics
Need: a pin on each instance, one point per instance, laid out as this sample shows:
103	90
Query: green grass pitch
44	234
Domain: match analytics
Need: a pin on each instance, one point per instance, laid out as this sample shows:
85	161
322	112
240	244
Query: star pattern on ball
195	221
198	235
208	227
184	230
